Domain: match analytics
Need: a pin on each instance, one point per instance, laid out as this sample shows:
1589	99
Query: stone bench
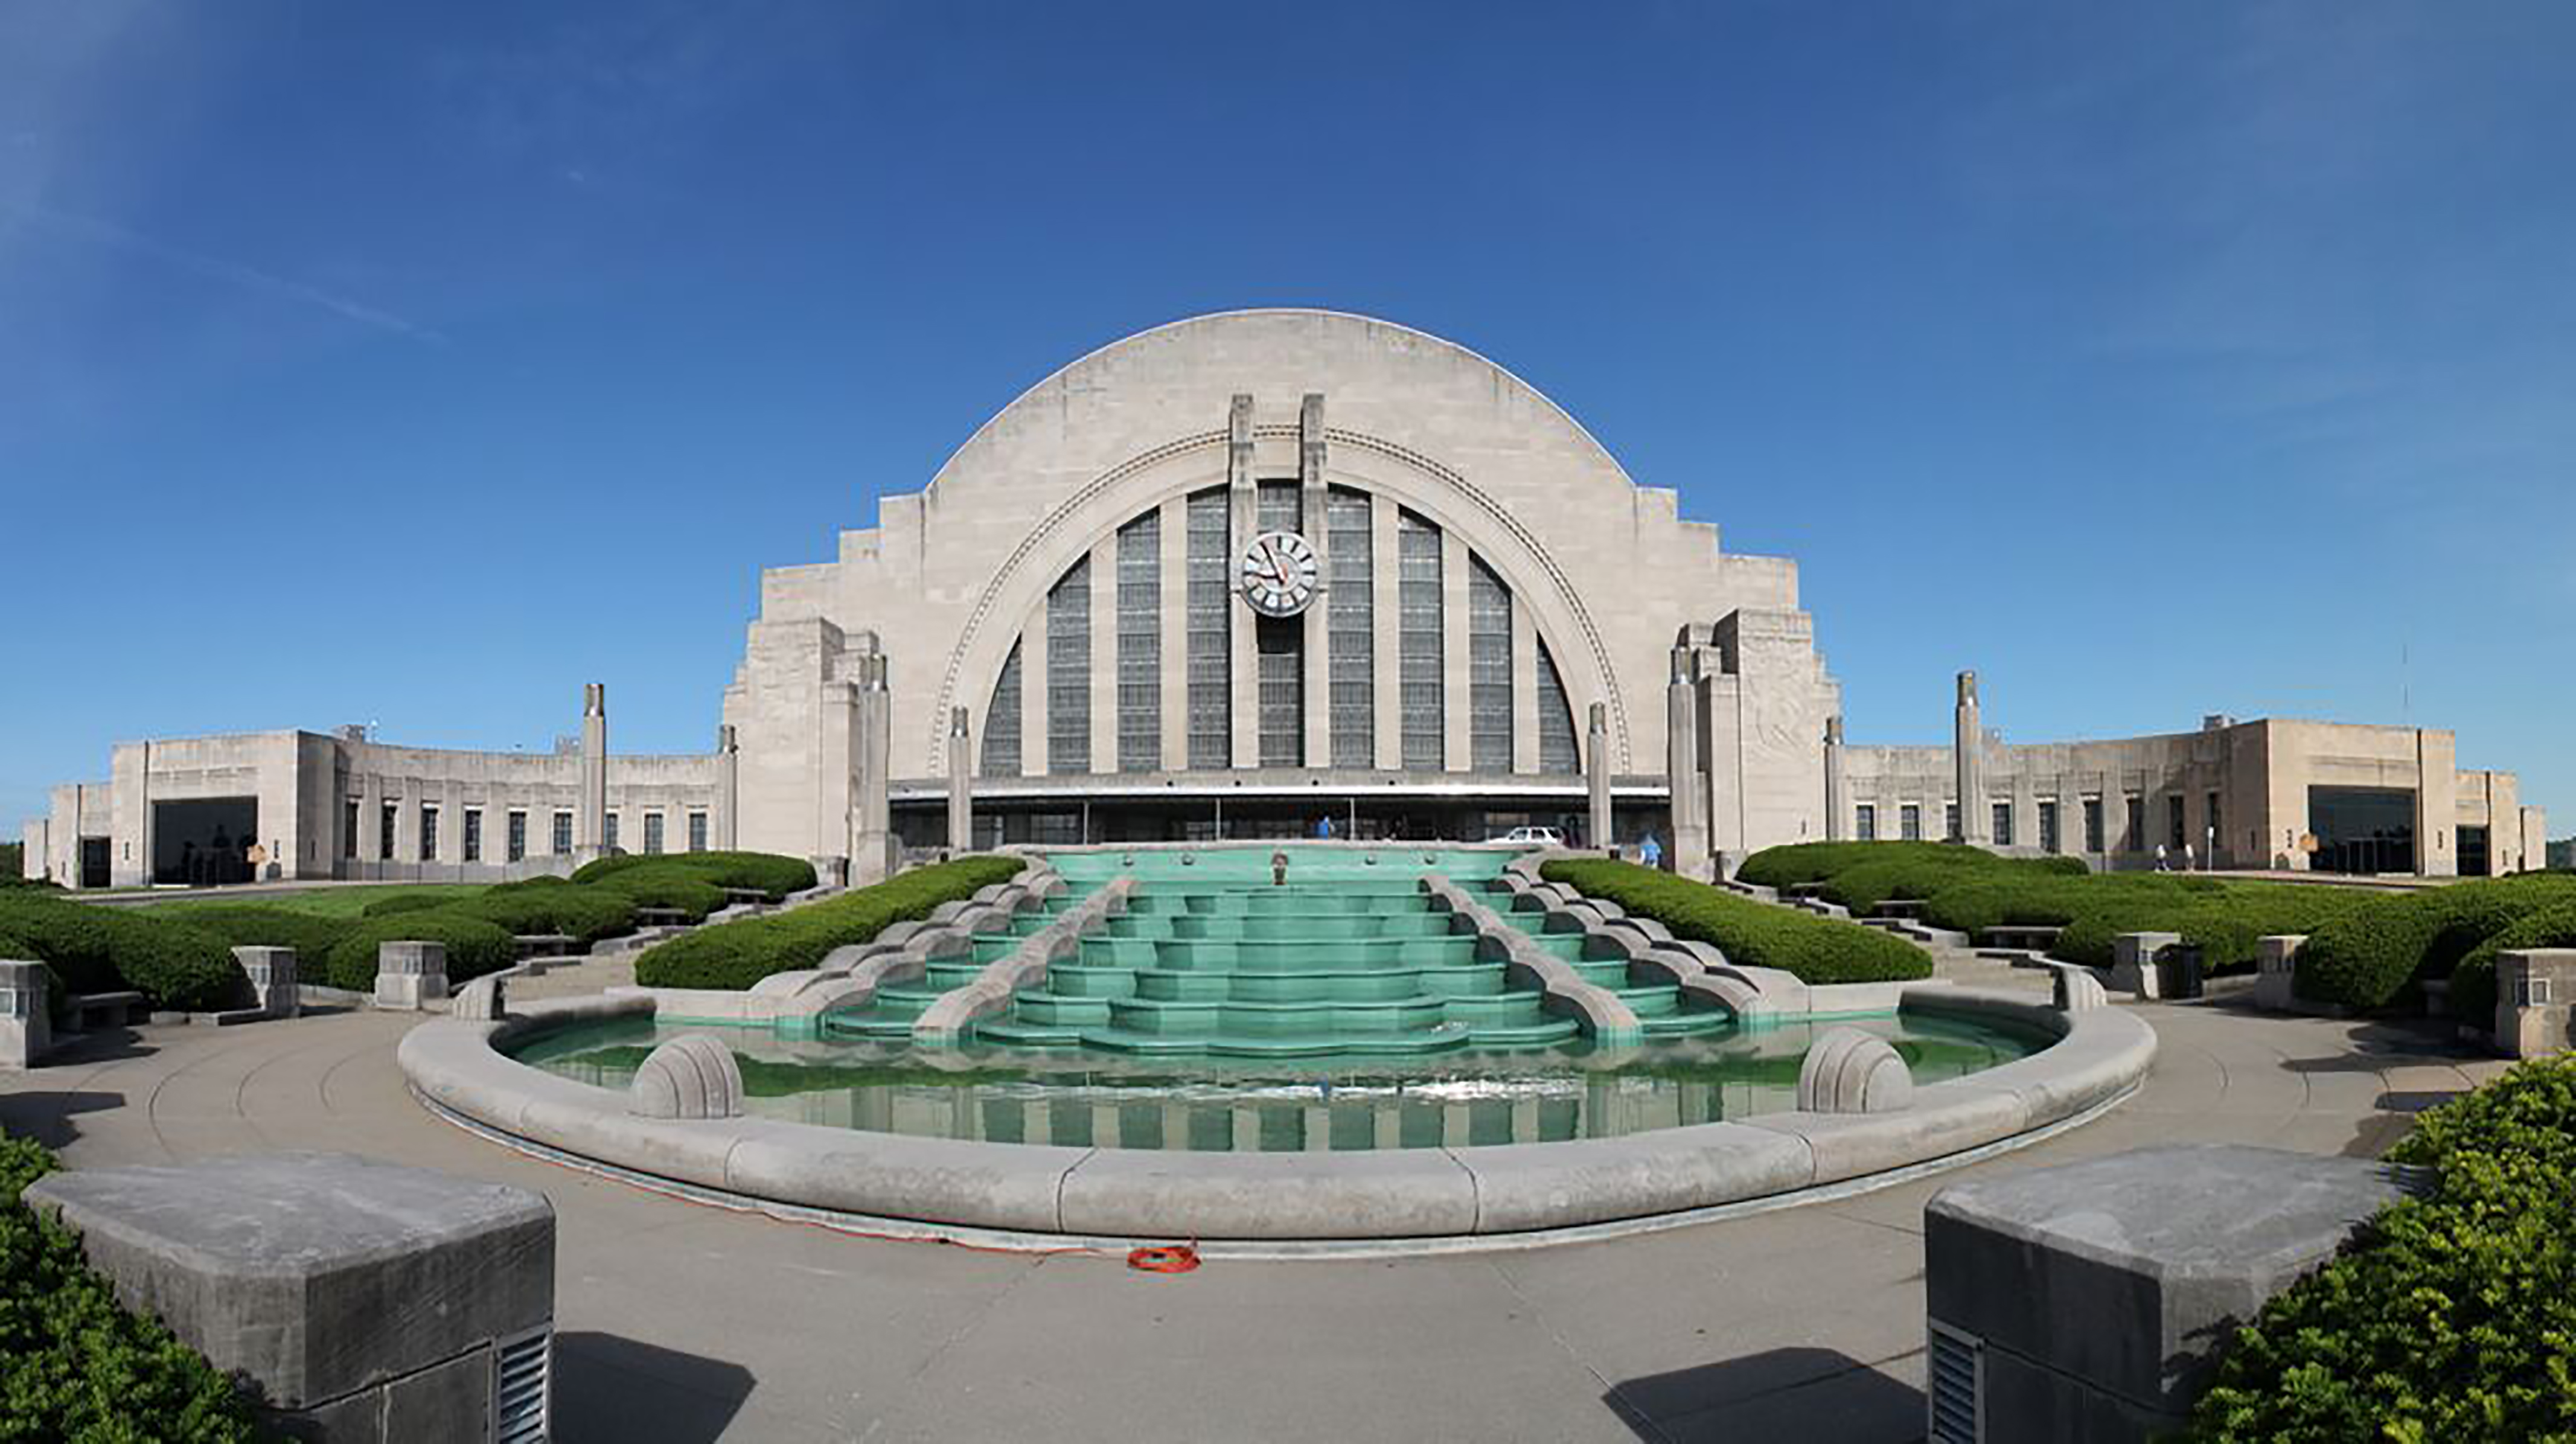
1899	908
366	1300
663	917
2155	965
107	1010
2090	1301
2036	937
543	945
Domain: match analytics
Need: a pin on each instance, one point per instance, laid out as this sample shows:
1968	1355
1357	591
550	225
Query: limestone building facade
1231	577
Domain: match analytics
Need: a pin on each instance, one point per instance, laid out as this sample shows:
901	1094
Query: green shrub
2473	983
74	1364
586	913
474	947
312	935
96	949
1754	934
740	953
2450	1316
1801	862
2371	955
768	871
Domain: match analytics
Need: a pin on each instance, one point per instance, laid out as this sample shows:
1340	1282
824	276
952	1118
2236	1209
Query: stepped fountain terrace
1300	1044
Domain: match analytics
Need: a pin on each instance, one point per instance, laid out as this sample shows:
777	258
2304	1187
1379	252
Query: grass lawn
331	902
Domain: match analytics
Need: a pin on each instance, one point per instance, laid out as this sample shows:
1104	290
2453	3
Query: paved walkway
683	1322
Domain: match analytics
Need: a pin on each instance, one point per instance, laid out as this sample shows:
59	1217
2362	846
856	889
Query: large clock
1278	574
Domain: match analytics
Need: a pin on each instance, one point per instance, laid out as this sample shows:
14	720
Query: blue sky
416	365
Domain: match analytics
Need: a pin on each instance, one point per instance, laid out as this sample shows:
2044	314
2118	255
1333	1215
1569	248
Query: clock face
1279	574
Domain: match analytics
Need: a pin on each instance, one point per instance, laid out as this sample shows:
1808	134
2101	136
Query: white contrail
216	268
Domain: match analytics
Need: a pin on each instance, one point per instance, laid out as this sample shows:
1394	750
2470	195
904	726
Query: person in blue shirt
1324	825
1650	852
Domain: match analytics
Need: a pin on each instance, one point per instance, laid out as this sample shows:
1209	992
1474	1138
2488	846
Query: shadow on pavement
1779	1393
47	1116
607	1387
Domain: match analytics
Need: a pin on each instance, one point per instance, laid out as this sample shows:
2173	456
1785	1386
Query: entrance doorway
204	841
2475	860
2362	829
93	862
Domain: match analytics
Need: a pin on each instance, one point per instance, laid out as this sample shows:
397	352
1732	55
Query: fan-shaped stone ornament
2077	991
1849	1071
692	1076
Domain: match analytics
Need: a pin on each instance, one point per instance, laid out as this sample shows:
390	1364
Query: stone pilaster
1242	521
1968	751
1837	792
1596	776
872	844
1317	623
961	797
1688	846
590	835
728	786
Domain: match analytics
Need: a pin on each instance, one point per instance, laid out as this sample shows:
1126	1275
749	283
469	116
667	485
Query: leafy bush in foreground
76	1365
95	949
740	953
1755	934
2451	1316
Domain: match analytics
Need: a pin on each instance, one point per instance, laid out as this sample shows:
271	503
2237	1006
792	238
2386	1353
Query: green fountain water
1224	952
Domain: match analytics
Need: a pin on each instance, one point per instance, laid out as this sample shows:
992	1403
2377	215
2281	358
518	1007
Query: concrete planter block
2133	962
2535	996
410	975
2089	1301
272	977
692	1076
26	1024
1849	1071
368	1301
480	1001
2276	967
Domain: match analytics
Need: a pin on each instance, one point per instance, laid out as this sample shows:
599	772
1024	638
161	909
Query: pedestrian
1324	827
1650	852
2160	857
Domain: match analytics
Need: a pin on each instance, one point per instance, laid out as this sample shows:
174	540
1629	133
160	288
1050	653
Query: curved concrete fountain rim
1297	1204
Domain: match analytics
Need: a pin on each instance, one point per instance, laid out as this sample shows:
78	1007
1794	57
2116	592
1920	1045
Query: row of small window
1910	823
515	838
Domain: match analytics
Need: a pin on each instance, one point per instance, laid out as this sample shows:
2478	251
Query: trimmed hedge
768	871
740	953
250	925
660	888
95	949
2374	954
586	913
406	902
1969	890
76	1365
474	947
2473	983
2450	1316
1755	934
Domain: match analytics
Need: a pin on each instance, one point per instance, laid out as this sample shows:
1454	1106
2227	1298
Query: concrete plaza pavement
681	1321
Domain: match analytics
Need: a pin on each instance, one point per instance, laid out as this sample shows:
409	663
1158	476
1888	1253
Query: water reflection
1087	1100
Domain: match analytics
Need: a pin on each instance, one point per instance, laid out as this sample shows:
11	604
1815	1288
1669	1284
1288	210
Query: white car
1533	837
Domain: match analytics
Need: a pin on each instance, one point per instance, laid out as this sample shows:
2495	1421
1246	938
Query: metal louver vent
522	1380
1955	1378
